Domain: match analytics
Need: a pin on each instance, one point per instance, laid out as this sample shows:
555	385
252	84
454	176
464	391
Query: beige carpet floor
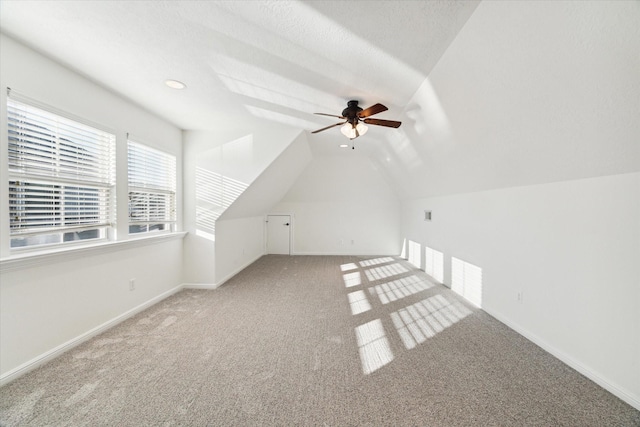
313	341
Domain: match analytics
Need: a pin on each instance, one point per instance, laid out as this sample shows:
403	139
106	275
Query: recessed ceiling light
344	146
174	84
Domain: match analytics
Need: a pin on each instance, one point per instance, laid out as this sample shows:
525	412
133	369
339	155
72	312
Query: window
152	189
61	177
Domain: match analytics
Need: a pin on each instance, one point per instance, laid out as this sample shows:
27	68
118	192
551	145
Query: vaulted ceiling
491	95
275	60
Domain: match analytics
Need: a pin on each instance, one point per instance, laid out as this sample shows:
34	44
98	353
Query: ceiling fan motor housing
351	112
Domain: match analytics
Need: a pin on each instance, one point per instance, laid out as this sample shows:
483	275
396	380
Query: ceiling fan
355	116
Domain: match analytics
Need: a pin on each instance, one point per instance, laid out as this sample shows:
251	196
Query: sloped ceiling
528	93
491	94
273	182
273	60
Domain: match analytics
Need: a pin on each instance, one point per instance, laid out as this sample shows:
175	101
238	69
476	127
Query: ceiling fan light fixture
348	130
362	129
355	119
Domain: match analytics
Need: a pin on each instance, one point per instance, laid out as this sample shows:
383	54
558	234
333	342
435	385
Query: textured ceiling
275	60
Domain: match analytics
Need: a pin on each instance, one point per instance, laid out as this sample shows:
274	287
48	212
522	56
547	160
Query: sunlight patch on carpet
404	287
385	271
358	302
424	319
352	279
374	348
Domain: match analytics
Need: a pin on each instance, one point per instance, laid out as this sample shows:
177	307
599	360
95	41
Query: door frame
291	230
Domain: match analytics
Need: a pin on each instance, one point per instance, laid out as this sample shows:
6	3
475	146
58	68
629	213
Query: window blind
152	188
61	176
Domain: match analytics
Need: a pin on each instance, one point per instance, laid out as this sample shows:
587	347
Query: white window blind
152	189
61	177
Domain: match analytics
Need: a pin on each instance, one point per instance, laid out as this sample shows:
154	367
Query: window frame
157	194
62	159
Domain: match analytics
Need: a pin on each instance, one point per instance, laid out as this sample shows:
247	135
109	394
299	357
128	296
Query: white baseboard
568	360
34	363
200	286
237	270
342	254
37	361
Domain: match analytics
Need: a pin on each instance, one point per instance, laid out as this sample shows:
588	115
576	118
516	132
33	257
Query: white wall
62	297
240	230
528	131
274	181
239	158
239	242
342	205
570	248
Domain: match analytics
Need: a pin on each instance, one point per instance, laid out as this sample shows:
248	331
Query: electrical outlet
520	297
353	242
132	284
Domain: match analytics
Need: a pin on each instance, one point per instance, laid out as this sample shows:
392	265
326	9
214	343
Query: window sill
24	260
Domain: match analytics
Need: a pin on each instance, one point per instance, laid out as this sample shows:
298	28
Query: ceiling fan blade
379	122
330	115
328	127
374	109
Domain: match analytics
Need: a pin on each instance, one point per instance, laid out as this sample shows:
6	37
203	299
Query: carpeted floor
311	340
